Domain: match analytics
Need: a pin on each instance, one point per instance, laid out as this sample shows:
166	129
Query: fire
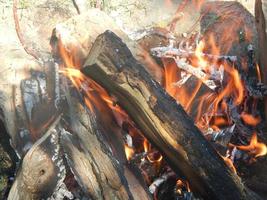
258	72
182	185
146	146
250	119
201	62
151	156
254	148
230	164
129	152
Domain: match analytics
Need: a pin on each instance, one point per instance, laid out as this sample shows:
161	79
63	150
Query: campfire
144	114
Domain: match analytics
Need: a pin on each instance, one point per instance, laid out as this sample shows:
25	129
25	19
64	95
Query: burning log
93	160
163	122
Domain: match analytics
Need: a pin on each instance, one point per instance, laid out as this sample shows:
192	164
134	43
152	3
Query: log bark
163	122
42	171
261	27
93	159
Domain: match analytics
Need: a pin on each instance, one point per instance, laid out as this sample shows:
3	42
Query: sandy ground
38	18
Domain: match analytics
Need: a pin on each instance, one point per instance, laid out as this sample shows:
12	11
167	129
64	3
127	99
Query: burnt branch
22	41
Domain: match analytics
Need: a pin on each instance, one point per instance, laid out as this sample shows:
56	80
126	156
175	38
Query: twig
178	15
19	34
170	51
182	64
76	6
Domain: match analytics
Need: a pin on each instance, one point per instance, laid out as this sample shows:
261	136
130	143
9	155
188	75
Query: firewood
42	171
261	26
163	122
94	161
230	25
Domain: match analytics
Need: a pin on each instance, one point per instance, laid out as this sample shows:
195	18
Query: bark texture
163	122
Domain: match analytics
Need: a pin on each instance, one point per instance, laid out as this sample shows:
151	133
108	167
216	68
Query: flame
129	152
250	119
180	185
230	164
146	145
154	160
220	121
201	62
151	156
254	148
258	72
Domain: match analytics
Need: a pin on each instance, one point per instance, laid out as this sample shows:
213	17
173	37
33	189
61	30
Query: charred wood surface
162	120
39	175
94	162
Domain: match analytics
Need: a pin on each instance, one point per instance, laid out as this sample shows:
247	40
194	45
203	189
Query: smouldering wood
93	160
163	122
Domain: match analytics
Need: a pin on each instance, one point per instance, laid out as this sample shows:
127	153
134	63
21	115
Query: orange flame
255	148
129	152
230	164
258	72
180	184
250	119
202	63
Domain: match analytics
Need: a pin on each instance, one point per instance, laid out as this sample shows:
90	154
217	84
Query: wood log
26	89
261	27
42	171
94	160
163	122
230	25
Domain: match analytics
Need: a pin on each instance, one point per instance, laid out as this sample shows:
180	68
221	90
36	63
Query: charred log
95	163
163	122
42	171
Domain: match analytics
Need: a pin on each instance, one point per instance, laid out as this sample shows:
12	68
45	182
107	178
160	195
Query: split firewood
163	122
92	160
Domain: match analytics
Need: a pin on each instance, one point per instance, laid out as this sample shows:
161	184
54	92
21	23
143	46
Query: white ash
222	136
156	183
182	64
184	78
57	86
61	193
128	140
61	190
170	51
